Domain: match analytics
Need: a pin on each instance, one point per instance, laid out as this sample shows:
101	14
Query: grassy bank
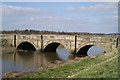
99	66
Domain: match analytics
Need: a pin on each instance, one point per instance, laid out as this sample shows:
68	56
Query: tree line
48	32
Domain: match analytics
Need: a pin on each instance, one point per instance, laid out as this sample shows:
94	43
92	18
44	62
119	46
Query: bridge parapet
106	42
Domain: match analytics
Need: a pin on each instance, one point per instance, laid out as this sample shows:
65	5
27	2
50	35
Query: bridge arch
84	49
52	46
26	45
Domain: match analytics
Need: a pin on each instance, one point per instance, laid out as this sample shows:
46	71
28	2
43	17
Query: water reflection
30	60
19	62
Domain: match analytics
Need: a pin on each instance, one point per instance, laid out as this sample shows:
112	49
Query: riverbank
104	65
99	66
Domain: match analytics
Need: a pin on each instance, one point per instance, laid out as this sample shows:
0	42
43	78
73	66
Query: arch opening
51	47
58	50
89	50
83	51
26	46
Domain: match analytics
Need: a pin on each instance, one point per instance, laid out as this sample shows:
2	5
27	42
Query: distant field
102	66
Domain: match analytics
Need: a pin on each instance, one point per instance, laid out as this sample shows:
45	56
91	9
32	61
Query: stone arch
84	48
26	45
53	45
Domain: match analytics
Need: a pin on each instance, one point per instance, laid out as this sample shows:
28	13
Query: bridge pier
42	50
75	51
14	40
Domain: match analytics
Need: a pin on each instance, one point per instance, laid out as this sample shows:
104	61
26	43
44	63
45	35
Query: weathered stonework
106	42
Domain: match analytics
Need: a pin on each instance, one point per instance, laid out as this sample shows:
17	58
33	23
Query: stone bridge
73	43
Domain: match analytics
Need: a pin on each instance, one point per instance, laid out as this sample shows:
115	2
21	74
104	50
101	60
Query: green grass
106	70
85	68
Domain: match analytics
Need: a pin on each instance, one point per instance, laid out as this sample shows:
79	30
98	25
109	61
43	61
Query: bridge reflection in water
30	60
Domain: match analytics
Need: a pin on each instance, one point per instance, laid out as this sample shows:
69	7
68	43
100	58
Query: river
32	60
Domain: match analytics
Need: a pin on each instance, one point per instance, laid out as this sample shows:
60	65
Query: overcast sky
94	17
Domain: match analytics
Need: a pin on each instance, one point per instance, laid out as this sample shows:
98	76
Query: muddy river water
32	60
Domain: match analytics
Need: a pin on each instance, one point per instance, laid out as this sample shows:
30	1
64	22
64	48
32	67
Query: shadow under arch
83	51
51	47
26	46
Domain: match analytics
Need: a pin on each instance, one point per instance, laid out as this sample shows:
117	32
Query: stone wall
106	42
